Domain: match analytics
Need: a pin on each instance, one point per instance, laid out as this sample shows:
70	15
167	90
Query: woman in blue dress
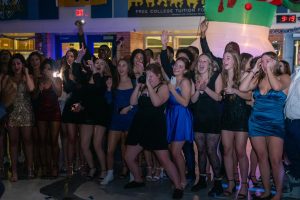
179	117
266	123
118	96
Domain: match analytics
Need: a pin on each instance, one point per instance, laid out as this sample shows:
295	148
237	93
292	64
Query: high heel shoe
253	180
30	174
91	173
14	177
157	175
70	171
229	192
241	195
149	174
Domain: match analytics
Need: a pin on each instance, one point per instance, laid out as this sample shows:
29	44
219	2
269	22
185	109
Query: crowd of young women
159	107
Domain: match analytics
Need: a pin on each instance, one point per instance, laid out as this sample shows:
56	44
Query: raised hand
164	39
203	27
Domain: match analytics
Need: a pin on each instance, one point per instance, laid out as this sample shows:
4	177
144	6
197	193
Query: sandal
243	196
253	180
157	174
227	192
91	173
149	174
14	177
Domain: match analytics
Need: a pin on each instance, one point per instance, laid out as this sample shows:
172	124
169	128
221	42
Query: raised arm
135	95
250	81
204	45
277	83
29	80
165	62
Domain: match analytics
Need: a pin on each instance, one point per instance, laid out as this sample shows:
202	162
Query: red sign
286	19
79	12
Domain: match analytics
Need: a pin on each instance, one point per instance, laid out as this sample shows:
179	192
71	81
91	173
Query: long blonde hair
236	71
211	67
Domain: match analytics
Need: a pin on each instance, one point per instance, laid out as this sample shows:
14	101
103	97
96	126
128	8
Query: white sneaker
131	177
108	178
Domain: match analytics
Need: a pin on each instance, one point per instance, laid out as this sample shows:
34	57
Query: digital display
286	18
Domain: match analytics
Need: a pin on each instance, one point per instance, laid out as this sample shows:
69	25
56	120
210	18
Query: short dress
96	109
267	117
207	111
74	92
120	99
47	106
235	114
148	128
179	121
22	113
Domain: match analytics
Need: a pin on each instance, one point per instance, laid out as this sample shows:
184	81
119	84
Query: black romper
207	111
149	126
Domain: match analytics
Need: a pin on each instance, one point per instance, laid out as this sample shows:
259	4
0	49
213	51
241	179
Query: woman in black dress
73	79
148	129
95	112
234	123
207	119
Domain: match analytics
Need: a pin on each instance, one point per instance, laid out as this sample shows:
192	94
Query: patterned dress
22	113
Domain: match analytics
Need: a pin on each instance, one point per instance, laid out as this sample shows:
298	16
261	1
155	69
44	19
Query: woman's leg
54	133
42	133
176	150
241	139
86	134
123	149
275	147
72	137
36	148
27	141
64	143
228	145
260	147
131	155
212	145
149	162
200	140
163	157
13	146
98	139
253	166
113	139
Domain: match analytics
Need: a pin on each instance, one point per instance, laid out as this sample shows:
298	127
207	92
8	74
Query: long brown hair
236	70
261	73
116	79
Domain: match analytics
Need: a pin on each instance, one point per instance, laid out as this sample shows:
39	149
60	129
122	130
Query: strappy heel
253	180
230	192
243	196
149	174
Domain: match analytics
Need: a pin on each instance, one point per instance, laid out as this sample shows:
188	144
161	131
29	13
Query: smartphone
173	80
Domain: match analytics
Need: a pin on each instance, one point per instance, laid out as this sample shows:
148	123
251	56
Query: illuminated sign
74	3
79	12
286	18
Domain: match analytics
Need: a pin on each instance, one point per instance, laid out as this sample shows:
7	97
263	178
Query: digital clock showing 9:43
286	18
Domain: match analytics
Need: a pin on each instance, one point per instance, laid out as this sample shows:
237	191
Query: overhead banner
165	8
74	3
